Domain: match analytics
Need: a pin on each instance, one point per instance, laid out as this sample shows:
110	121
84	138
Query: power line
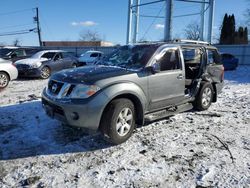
15	12
14	26
20	32
146	32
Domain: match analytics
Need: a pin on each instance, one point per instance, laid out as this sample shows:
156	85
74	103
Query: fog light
74	116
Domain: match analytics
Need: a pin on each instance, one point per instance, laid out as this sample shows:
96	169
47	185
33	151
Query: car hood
90	74
30	61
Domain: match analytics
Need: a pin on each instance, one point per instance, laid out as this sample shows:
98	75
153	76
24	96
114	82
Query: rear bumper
85	114
219	87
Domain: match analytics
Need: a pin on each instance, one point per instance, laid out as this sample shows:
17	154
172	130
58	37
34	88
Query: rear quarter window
213	57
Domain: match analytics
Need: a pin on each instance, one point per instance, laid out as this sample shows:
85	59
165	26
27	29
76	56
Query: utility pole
129	26
168	20
36	19
135	21
211	20
202	24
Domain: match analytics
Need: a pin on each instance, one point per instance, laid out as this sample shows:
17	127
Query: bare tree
16	42
192	31
89	35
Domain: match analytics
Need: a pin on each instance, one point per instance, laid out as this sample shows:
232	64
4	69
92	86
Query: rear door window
192	55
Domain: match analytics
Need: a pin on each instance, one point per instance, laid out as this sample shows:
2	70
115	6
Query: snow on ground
192	149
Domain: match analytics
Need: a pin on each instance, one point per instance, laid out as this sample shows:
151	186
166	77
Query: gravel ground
192	149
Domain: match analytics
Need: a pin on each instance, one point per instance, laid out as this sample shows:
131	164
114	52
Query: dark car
16	53
229	61
44	63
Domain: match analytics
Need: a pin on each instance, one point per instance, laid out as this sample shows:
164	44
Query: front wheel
4	80
45	72
205	97
118	121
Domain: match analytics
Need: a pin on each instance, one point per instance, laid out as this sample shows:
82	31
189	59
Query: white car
89	58
7	72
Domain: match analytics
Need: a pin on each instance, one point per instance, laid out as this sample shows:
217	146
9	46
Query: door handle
180	77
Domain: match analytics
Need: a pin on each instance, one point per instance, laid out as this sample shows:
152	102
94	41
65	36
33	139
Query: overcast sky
64	20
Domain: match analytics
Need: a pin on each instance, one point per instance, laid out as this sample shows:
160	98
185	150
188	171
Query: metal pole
202	26
130	3
135	21
168	20
211	20
38	27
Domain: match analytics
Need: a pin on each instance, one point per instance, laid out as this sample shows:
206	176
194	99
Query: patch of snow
180	151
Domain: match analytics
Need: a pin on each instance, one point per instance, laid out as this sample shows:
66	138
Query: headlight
84	91
36	65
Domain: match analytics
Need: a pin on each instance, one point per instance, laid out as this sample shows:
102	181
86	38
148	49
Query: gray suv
134	84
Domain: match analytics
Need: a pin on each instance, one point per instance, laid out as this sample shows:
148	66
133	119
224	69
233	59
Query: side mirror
155	68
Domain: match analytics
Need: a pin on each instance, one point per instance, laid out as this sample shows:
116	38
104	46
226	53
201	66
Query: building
77	43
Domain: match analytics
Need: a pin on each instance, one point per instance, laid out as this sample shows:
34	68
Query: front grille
60	89
55	87
22	66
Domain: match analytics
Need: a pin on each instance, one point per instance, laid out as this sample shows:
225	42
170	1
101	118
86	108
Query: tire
205	97
45	72
4	80
118	121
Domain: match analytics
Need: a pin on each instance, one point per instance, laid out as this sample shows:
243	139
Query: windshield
37	55
5	52
130	56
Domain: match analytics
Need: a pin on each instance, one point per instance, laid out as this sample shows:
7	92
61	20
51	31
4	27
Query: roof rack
190	41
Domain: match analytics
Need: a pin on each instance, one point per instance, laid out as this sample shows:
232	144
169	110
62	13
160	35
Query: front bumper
36	72
84	113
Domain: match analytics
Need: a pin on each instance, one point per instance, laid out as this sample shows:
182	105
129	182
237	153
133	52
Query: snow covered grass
191	149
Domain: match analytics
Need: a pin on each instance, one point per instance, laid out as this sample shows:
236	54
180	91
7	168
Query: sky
65	20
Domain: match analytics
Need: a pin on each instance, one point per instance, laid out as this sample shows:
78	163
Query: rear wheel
4	80
45	72
205	97
118	121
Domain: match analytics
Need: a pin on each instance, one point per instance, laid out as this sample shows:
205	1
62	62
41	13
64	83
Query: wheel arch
137	104
6	73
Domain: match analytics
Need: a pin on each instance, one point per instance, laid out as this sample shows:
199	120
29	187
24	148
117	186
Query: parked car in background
44	63
89	58
229	61
7	72
16	53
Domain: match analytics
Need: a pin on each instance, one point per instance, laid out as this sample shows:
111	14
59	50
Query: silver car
7	72
134	84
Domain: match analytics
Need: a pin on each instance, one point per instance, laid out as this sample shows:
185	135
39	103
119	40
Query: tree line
230	34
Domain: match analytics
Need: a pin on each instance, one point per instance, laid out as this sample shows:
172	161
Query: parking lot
208	148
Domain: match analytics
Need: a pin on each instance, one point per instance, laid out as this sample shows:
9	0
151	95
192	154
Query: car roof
94	51
10	47
55	51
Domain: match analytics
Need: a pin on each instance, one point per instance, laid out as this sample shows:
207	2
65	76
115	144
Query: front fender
117	89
